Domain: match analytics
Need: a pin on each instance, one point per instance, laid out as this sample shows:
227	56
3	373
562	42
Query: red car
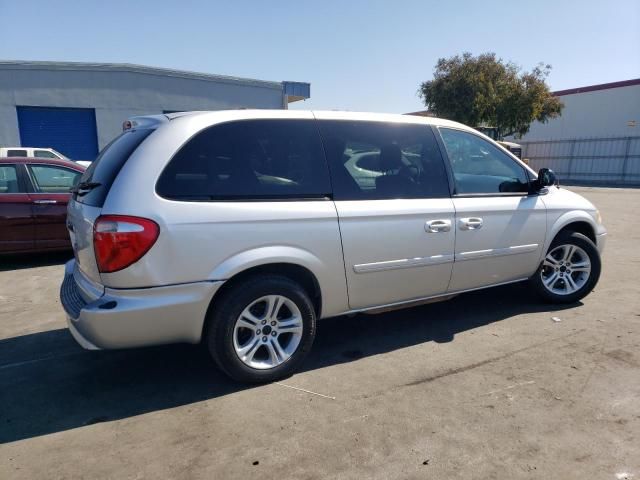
34	193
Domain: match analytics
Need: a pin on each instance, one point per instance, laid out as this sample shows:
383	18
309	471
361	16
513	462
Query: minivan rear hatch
89	195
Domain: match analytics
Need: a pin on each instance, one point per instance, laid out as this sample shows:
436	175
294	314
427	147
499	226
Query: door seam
344	265
455	240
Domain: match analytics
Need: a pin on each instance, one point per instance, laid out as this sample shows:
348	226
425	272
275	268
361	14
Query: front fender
566	219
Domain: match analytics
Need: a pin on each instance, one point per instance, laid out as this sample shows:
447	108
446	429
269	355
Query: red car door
51	184
16	220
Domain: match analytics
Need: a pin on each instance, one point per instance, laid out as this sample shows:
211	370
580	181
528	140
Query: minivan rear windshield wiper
84	187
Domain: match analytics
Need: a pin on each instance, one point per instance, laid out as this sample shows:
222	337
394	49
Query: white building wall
600	113
117	94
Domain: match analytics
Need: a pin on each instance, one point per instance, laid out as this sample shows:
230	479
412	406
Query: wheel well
297	273
580	227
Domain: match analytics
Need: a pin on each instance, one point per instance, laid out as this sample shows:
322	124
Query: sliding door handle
45	202
472	223
437	226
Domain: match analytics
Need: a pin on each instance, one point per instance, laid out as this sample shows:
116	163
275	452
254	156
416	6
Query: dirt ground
486	386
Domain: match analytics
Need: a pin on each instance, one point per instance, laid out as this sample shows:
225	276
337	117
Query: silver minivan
240	229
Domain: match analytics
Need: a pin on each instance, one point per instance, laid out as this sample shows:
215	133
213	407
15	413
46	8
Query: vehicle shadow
30	260
49	384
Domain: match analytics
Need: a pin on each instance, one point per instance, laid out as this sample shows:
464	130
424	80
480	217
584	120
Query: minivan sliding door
395	213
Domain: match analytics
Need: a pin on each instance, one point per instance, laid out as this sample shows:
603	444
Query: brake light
120	240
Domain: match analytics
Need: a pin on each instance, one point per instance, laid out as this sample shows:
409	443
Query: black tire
583	242
227	309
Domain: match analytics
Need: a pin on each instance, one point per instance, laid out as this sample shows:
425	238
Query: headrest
334	147
390	157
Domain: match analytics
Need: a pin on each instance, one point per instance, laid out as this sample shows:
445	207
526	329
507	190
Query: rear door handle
437	226
471	223
45	202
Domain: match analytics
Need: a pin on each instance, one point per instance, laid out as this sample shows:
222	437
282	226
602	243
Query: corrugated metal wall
603	161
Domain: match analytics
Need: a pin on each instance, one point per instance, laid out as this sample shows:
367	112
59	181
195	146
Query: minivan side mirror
546	178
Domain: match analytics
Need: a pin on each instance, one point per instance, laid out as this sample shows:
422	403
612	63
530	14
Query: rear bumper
106	318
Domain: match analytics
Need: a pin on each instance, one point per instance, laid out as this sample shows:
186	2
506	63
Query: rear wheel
570	269
261	330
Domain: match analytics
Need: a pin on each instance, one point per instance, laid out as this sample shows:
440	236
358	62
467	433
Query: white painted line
305	391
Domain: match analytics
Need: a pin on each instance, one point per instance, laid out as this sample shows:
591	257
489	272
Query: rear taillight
120	240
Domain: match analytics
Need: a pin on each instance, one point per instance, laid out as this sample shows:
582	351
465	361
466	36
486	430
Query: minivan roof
382	117
155	120
319	114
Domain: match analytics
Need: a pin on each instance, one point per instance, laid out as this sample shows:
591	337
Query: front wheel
569	271
261	330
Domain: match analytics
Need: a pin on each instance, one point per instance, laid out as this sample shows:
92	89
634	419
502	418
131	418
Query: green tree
485	90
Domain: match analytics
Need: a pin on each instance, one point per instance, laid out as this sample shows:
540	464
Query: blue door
71	131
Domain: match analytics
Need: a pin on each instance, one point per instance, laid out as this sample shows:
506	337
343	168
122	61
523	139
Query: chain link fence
595	161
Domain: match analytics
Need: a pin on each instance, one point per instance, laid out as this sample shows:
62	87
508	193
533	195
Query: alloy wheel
267	332
565	269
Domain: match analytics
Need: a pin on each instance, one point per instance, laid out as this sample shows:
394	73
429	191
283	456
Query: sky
357	55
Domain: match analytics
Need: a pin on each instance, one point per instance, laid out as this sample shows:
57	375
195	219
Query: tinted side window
44	154
249	159
9	179
50	179
480	167
16	153
105	168
376	160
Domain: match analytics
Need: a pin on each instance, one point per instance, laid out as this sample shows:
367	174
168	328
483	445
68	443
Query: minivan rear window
104	169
